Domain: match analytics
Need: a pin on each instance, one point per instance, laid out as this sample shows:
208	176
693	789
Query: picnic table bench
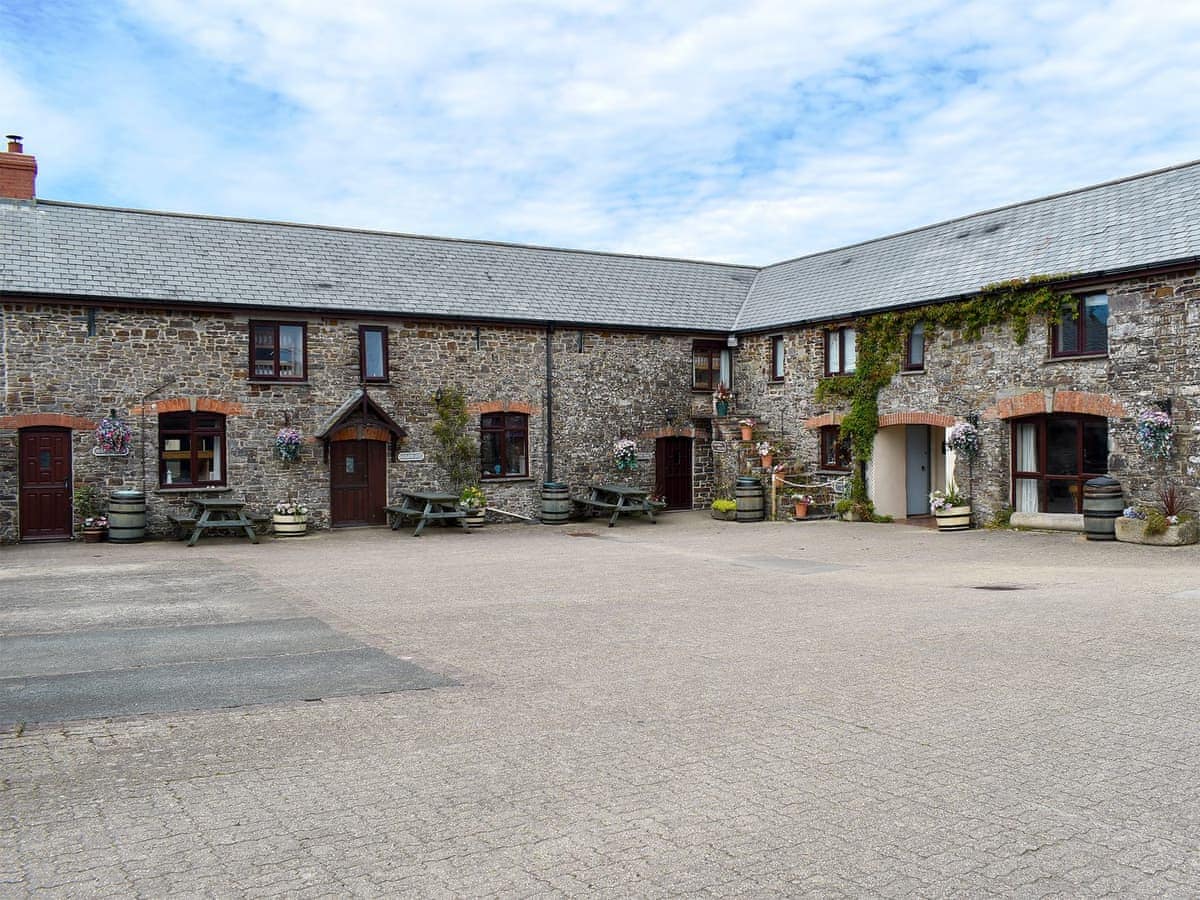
621	499
426	506
211	513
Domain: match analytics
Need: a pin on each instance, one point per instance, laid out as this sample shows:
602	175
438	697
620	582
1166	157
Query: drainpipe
549	474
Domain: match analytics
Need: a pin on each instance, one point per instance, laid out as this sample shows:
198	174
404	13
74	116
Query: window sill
837	472
214	489
302	382
1081	357
920	371
506	479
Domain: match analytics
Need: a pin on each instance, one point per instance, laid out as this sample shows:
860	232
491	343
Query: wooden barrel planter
953	518
289	526
749	496
475	517
127	517
556	503
1103	503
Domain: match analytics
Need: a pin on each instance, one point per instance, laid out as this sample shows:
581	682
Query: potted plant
1154	433
722	397
724	509
93	526
474	501
802	502
747	426
766	452
1166	525
625	454
289	519
951	509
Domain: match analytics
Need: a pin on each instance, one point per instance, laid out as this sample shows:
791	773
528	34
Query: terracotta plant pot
766	459
747	433
801	509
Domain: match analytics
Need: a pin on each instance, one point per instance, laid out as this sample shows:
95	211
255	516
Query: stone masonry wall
618	385
1153	355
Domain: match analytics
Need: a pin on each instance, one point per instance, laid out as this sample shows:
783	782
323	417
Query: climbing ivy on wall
880	343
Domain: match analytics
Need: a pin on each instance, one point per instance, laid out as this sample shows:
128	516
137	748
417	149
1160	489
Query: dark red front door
358	482
673	465
45	486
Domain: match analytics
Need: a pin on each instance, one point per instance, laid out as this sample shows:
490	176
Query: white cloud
749	132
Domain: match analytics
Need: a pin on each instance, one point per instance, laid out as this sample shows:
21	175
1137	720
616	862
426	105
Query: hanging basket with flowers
1154	433
287	444
625	454
963	439
113	438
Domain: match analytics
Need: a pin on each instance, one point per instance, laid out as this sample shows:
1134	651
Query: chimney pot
14	143
18	171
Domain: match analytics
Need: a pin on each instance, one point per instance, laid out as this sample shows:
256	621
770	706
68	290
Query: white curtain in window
1027	461
851	349
725	369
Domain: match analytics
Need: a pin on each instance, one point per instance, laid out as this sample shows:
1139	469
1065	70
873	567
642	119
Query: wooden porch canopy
361	418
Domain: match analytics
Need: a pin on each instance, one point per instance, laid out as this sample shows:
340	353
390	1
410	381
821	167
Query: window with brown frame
835	450
278	351
711	366
373	352
914	349
777	359
191	449
1053	456
841	355
504	445
1082	327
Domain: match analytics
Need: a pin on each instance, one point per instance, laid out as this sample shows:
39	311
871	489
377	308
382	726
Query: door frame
921	503
376	482
68	512
661	446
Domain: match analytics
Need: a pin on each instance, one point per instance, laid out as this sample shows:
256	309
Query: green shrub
723	505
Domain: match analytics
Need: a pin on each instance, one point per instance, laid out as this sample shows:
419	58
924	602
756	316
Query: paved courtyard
692	708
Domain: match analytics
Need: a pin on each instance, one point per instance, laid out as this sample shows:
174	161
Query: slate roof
62	248
49	247
1120	225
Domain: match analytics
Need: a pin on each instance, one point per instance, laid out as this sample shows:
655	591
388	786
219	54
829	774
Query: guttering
549	474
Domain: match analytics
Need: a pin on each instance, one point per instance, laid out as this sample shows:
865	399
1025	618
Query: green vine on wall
880	343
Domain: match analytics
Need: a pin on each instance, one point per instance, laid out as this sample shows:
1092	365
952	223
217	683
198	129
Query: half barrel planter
288	526
953	518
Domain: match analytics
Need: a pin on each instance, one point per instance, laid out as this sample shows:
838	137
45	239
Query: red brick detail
1088	404
495	407
361	433
667	432
18	172
1030	404
47	420
224	407
916	418
822	421
190	404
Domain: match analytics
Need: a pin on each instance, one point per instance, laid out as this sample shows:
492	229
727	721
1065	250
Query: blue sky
743	132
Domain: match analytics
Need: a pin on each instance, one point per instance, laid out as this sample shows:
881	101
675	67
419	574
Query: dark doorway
673	465
45	487
358	482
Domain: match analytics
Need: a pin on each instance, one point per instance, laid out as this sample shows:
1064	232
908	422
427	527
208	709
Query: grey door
917	469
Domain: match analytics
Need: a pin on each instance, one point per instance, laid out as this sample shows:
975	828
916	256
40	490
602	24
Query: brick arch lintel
937	420
669	431
1053	401
497	406
824	420
47	420
190	404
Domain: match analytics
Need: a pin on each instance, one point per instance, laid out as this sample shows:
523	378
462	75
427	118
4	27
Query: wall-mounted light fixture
670	414
731	341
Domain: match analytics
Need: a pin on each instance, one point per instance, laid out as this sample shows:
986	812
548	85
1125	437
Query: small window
777	360
841	354
835	449
504	445
711	366
373	352
278	351
914	349
1082	328
191	449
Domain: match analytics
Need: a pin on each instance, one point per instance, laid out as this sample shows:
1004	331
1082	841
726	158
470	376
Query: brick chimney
18	170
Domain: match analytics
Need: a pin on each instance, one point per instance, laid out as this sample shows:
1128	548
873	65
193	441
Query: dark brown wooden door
45	485
673	466
358	482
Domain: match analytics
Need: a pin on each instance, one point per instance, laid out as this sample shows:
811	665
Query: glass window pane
1062	446
1095	447
849	349
1027	457
1062	496
777	356
725	368
291	351
1027	495
916	346
373	353
833	351
492	420
1095	323
1068	330
515	455
264	350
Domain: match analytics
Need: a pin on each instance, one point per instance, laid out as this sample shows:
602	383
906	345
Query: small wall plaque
410	456
645	457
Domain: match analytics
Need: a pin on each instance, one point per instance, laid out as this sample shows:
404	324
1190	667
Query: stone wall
610	385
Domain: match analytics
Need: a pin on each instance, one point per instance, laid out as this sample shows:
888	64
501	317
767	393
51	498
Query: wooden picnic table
220	512
427	506
622	499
